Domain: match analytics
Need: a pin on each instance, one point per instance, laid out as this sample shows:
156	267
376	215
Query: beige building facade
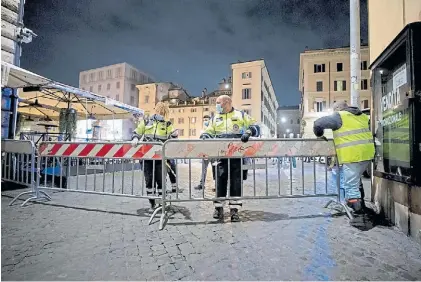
324	78
117	82
252	91
386	18
249	86
399	201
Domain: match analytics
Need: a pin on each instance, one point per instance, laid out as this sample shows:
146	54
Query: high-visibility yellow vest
154	130
353	141
234	122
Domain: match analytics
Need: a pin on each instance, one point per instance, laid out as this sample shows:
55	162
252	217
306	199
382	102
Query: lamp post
354	20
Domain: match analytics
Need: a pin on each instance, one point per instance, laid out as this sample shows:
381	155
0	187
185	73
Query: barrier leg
18	196
154	213
45	195
35	196
164	218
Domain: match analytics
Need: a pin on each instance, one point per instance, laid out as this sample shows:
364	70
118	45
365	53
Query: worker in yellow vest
354	144
229	123
156	128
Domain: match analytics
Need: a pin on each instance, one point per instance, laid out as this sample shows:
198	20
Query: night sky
188	42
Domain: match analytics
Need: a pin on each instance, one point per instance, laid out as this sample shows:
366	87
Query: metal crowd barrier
18	166
232	150
96	168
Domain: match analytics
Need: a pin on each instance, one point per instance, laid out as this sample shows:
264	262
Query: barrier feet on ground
163	220
33	198
340	207
154	214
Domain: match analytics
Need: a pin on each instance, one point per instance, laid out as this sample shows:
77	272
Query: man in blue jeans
354	144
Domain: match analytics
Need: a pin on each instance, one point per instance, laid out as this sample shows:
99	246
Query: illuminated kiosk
396	123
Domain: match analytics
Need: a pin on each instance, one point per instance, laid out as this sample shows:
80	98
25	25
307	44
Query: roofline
363	46
250	61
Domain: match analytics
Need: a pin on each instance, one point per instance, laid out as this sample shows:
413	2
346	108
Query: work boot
218	213
234	215
199	187
355	205
173	187
153	204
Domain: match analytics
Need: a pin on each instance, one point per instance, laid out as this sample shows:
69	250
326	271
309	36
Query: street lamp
288	130
283	119
227	86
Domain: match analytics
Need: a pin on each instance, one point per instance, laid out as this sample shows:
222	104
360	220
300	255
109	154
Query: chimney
204	92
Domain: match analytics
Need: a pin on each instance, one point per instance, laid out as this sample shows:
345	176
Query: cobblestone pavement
91	237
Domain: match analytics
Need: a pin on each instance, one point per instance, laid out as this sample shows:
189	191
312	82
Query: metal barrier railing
19	166
96	168
227	154
117	169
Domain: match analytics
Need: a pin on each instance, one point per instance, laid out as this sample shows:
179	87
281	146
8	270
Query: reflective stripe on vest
353	141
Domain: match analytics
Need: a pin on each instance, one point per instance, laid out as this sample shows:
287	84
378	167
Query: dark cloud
191	42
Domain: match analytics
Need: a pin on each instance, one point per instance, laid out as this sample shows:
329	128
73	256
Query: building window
108	86
118	72
84	78
133	87
117	85
246	93
245	75
364	84
132	100
319	106
193	110
193	132
92	76
99	87
109	73
339	85
298	121
292	121
172	120
181	132
146	99
117	97
339	67
206	109
193	120
101	75
319	68
364	104
133	74
319	86
364	65
180	120
91	88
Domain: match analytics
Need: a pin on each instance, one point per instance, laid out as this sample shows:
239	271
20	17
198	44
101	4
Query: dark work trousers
172	171
149	177
235	175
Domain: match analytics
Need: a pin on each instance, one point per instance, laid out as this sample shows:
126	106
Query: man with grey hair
354	144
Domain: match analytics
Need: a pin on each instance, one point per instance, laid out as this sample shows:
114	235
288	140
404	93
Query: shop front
396	86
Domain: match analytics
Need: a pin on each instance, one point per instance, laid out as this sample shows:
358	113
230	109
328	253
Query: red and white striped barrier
101	150
214	148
